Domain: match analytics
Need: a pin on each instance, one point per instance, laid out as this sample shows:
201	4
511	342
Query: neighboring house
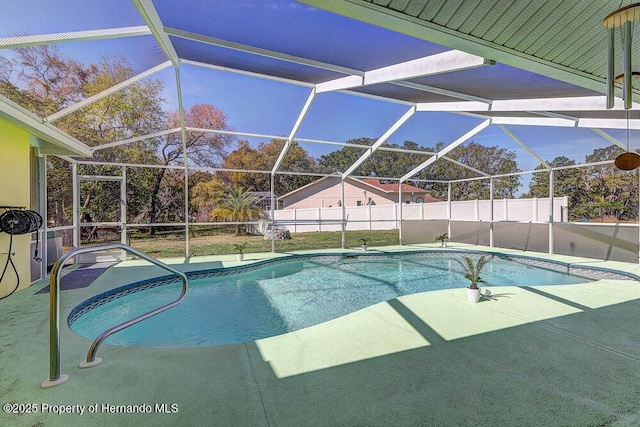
326	192
264	200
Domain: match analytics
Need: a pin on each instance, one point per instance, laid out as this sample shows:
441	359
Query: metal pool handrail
55	378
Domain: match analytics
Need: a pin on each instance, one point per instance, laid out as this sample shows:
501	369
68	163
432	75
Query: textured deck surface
549	355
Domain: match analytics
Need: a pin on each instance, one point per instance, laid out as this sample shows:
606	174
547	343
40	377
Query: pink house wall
327	193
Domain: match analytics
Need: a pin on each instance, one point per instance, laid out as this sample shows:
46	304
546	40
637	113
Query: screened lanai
143	112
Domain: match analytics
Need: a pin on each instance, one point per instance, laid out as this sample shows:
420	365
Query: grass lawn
172	245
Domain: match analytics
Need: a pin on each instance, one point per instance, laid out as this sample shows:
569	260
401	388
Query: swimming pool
241	304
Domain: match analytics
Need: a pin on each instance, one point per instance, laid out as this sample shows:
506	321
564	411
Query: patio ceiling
508	63
550	55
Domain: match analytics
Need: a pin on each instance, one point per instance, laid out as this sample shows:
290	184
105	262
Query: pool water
289	296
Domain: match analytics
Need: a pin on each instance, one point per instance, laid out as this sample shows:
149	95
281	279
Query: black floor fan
16	222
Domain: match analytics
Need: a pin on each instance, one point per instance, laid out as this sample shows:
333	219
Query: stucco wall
327	193
14	191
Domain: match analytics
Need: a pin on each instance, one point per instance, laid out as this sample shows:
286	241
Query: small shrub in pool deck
472	271
238	248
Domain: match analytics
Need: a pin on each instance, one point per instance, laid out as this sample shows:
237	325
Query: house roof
371	182
392	188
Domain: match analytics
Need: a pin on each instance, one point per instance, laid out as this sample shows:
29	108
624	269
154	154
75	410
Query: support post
400	209
76	205
449	210
44	208
344	210
491	213
551	191
185	159
123	206
273	214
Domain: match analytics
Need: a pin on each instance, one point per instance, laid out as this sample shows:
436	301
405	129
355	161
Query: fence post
506	210
395	216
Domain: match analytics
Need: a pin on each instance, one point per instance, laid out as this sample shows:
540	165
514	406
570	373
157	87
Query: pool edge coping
141	285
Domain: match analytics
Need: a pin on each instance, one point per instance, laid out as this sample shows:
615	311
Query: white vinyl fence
386	217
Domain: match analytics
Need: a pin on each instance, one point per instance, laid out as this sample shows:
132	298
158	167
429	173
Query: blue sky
260	106
267	107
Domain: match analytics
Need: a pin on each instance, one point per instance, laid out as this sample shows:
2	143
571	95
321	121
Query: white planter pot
364	247
444	243
240	257
473	295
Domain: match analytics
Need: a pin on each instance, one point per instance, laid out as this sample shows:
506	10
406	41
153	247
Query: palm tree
472	272
236	204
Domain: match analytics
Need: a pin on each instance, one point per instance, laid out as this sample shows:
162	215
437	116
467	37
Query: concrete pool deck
528	356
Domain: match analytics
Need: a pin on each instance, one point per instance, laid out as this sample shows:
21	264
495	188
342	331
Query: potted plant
472	273
238	249
443	239
364	244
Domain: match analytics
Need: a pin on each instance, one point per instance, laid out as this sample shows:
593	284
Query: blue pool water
288	296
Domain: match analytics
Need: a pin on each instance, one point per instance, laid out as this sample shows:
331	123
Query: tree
612	192
382	163
205	149
52	82
340	160
491	160
236	204
567	182
263	158
594	191
21	97
296	159
59	197
204	195
199	203
245	157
